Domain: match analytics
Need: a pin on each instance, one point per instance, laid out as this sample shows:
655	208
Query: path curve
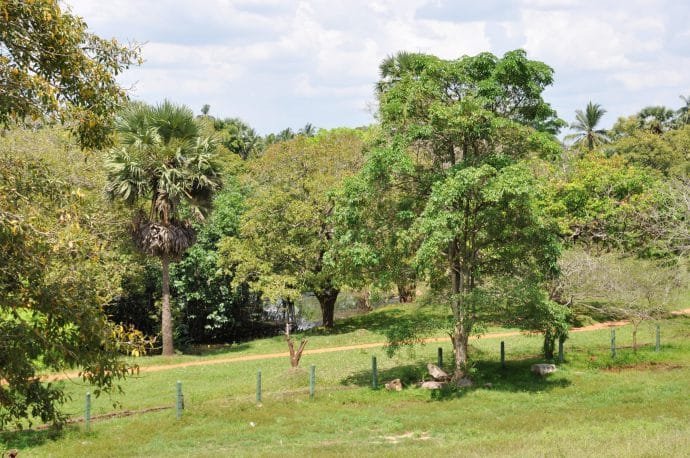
317	351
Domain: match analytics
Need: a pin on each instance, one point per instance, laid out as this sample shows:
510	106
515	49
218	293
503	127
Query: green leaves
77	84
286	233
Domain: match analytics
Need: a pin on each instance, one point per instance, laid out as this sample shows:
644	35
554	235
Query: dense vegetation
462	195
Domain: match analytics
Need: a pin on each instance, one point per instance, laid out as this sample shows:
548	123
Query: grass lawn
635	405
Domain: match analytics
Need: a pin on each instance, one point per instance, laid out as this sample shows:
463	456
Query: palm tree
240	138
585	126
308	130
160	163
656	119
394	67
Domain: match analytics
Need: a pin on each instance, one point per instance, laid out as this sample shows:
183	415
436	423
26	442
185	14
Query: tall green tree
457	133
585	127
286	233
52	66
162	167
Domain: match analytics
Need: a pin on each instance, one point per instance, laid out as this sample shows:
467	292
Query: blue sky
280	64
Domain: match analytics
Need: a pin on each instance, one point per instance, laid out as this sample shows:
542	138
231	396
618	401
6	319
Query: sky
280	63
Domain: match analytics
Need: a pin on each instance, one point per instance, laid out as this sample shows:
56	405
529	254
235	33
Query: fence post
658	338
503	355
87	412
613	343
440	357
258	386
374	374
312	381
560	350
179	407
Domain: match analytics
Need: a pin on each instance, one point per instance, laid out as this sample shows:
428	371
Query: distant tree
50	65
205	109
239	138
618	285
286	134
585	126
159	165
308	130
211	310
656	119
683	113
666	151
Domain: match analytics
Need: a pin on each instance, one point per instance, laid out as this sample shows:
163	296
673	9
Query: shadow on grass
516	377
215	349
383	321
28	438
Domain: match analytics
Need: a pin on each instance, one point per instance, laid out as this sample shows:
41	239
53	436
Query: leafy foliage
211	310
286	232
57	242
50	65
454	135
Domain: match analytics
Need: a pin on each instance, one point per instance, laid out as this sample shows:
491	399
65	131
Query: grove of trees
123	224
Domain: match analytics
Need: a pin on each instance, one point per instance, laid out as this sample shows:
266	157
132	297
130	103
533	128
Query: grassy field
635	405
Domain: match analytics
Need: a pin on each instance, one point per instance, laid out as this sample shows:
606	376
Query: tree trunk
407	292
166	315
459	338
460	332
327	299
634	335
549	344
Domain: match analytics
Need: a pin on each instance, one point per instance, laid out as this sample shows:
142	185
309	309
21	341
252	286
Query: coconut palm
585	126
161	163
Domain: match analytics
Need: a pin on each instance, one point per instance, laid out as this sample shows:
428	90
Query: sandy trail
317	351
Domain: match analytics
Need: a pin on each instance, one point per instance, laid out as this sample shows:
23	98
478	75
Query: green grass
634	405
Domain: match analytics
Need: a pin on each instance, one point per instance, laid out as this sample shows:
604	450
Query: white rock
432	385
437	373
394	385
543	369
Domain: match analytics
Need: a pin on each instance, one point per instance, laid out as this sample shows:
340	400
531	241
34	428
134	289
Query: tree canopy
52	66
286	232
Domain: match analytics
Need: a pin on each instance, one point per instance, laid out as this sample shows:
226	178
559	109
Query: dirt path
317	351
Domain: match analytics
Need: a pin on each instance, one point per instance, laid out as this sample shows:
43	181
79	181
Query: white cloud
284	63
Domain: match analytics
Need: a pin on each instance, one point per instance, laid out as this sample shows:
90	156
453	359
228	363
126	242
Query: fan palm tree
585	126
656	119
160	163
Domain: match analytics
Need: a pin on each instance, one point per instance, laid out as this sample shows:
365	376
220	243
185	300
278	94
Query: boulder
437	373
543	369
432	385
394	385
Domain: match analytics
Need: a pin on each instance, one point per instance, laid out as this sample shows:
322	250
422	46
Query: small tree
627	288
